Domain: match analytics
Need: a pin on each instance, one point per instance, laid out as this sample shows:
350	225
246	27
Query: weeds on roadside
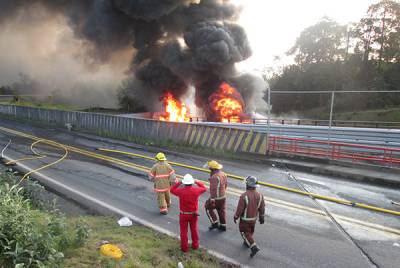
30	237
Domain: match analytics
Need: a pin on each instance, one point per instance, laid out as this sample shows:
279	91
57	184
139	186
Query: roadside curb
361	173
104	208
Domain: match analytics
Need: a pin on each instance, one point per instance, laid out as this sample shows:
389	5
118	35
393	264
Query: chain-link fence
375	109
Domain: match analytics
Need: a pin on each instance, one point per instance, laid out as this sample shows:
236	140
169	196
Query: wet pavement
297	233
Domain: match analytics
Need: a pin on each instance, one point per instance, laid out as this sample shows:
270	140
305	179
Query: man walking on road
217	200
188	205
251	203
162	174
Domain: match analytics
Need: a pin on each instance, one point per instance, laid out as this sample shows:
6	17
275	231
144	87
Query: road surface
297	232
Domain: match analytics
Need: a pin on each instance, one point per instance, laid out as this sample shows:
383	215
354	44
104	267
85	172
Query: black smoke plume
177	42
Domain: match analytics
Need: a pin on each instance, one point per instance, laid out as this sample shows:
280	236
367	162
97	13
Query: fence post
268	116
331	115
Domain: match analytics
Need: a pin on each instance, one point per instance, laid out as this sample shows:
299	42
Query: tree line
329	56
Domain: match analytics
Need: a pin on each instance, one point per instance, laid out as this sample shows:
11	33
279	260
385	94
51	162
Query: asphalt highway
297	232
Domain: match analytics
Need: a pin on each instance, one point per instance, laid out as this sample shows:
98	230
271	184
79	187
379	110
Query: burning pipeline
226	104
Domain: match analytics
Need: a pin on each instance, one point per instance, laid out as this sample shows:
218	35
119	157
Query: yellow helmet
161	157
214	165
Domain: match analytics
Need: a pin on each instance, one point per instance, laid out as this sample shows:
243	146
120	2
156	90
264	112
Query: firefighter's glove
235	220
261	220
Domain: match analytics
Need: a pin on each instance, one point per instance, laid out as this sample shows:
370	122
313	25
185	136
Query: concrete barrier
190	134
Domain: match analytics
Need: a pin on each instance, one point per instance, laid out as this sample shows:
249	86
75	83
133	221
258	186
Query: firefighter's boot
222	227
163	211
215	225
254	249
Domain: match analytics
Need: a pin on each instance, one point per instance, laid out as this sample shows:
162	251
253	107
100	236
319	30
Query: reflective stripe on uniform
210	218
248	219
246	199
165	175
161	190
161	176
218	187
245	239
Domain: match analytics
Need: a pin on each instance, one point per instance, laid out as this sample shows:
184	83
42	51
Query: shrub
29	237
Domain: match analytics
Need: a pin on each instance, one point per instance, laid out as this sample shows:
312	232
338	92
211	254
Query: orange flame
227	103
174	110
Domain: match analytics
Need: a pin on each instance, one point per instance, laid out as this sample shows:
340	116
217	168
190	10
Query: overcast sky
272	26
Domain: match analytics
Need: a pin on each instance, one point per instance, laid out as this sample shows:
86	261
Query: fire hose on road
146	169
232	191
38	156
275	186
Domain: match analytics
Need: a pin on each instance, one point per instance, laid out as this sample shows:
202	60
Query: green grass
142	247
44	105
61	106
381	115
378	115
79	238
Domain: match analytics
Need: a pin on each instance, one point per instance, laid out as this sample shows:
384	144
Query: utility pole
268	115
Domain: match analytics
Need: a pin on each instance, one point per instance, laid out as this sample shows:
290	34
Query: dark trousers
220	207
184	221
246	229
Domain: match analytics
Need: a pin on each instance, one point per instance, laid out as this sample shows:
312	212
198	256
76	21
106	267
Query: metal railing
333	150
313	122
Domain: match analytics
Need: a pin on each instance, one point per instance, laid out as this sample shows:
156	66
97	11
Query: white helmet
188	179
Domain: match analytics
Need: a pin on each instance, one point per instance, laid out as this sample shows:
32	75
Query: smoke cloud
154	45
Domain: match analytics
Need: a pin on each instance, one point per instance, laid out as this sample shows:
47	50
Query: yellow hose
275	186
146	169
38	156
50	164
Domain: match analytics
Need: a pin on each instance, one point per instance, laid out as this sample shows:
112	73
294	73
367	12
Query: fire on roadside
227	104
174	110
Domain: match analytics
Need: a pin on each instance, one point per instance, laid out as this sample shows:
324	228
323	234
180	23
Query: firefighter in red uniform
188	205
163	175
217	200
251	204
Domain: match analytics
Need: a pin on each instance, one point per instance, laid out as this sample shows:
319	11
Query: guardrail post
331	115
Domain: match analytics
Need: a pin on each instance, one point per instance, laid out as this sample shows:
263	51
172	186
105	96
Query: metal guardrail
334	150
312	122
362	136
